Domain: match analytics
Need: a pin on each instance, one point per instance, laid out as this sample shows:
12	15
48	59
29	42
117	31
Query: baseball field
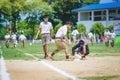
28	64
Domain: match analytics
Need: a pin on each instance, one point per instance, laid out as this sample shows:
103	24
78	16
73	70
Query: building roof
99	6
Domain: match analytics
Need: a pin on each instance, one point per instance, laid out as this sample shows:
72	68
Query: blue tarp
99	6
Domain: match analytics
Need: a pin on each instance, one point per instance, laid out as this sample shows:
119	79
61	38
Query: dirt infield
34	70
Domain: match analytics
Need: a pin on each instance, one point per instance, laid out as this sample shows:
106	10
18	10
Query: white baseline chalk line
54	68
3	70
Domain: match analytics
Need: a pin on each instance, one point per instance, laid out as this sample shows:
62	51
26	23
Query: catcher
83	49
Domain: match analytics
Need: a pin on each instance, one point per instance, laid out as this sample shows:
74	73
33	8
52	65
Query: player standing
46	31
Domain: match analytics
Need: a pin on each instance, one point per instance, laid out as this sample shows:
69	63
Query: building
106	13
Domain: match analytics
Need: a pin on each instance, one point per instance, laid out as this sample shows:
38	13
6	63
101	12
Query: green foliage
63	10
88	2
38	9
57	27
22	25
58	11
2	32
98	28
38	5
69	33
10	9
53	33
41	6
74	27
81	28
111	27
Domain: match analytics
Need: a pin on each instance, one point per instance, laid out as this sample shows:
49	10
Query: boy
91	37
107	37
13	36
7	39
112	38
22	38
60	44
74	34
83	48
46	31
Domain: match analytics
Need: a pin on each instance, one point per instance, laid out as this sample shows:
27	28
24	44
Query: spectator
107	37
22	38
13	36
112	38
74	33
91	37
7	39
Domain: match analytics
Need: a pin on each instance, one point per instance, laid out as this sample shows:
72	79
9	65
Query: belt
58	38
45	33
73	35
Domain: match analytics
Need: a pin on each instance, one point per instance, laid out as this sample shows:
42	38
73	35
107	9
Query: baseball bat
37	34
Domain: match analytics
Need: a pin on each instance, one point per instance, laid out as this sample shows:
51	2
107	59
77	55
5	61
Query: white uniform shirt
84	39
13	36
74	32
90	35
107	33
62	31
112	35
45	27
7	36
22	37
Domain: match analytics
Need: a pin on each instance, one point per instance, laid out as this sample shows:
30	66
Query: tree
39	9
88	2
49	1
81	28
11	10
111	27
2	21
3	31
69	33
57	27
32	21
63	10
97	28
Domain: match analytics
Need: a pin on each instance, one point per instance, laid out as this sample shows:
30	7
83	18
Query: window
117	16
118	11
99	15
112	14
84	16
90	15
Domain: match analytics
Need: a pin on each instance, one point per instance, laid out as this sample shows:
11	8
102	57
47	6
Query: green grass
100	50
36	49
103	78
